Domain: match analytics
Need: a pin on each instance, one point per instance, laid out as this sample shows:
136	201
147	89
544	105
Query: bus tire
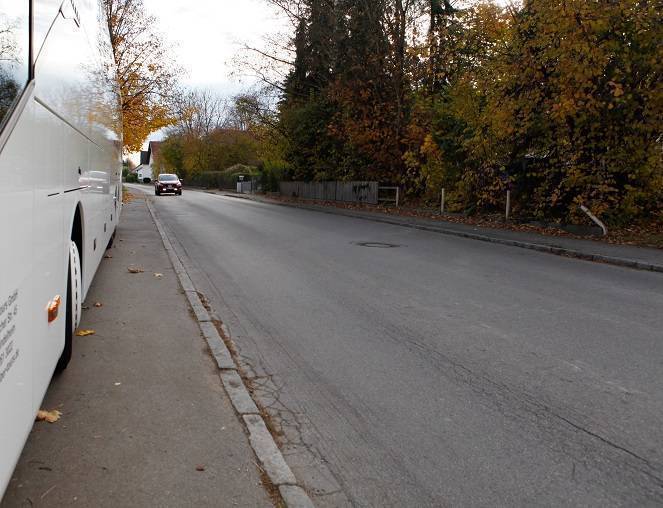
110	241
73	306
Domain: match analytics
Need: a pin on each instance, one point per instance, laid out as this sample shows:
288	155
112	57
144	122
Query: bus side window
14	53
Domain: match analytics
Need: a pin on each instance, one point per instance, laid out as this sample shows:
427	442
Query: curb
262	442
548	249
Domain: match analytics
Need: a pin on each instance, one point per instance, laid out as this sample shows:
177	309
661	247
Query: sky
207	34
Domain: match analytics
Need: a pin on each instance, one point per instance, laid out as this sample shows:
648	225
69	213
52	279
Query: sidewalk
145	419
641	258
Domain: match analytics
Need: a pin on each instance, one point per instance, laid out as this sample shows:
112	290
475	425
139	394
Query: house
145	170
137	171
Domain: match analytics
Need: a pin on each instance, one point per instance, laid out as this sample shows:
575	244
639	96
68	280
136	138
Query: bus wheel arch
74	288
77	231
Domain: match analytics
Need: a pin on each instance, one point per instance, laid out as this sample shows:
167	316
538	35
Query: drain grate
377	245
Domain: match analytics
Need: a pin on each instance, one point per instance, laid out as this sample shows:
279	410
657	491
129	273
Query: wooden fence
353	192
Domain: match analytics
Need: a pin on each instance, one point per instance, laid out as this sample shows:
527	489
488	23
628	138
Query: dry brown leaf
133	269
158	275
98	304
200	468
108	256
48	416
84	333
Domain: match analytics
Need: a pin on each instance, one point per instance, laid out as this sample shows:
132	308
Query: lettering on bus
8	352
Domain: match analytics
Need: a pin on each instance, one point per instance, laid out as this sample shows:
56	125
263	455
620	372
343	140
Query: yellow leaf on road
84	333
48	416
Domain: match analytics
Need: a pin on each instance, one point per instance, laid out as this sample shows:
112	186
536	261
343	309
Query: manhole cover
377	245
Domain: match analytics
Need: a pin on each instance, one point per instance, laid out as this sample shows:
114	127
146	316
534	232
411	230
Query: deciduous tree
146	73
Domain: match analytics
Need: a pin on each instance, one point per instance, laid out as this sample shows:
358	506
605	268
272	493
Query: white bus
60	193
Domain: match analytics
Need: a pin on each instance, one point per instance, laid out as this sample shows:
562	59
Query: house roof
147	156
153	149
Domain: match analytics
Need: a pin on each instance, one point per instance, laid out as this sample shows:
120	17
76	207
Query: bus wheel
110	241
73	306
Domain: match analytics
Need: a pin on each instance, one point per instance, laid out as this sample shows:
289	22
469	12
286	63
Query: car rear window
167	178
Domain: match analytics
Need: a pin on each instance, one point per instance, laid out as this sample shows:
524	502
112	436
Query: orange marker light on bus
54	308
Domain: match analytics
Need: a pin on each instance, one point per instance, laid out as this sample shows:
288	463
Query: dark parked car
168	183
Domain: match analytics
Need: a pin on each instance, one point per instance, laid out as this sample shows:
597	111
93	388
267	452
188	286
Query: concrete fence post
442	202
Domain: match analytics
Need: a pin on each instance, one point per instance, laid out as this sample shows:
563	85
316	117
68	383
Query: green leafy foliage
189	155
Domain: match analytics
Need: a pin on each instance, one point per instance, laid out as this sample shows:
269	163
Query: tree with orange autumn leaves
146	74
560	101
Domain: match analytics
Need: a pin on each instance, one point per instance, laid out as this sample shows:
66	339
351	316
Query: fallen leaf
85	333
118	384
48	416
158	275
133	269
108	256
200	468
85	307
98	304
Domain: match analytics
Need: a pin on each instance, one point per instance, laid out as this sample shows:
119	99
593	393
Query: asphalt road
439	371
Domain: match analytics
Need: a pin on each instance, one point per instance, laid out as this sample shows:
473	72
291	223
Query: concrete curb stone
268	453
186	283
295	497
238	393
218	348
198	308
